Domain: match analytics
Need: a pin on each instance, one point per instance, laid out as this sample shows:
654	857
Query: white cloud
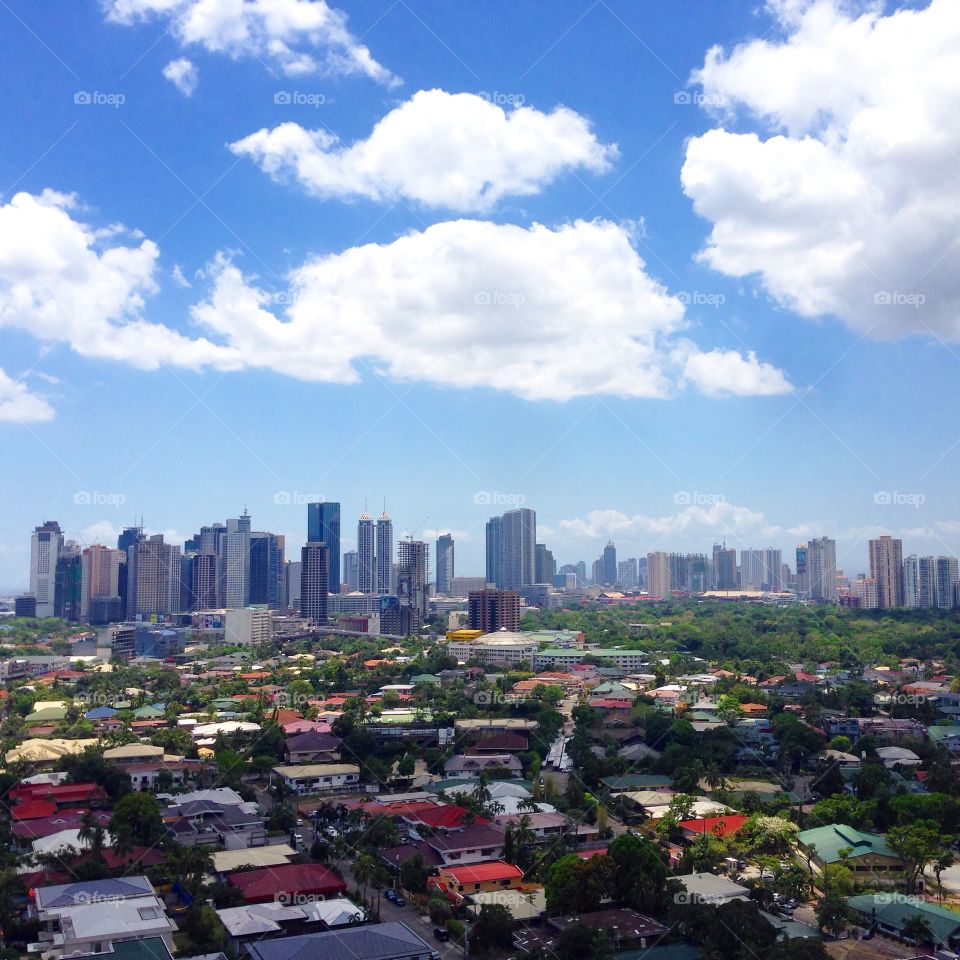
18	405
60	281
719	519
846	198
183	74
544	314
178	278
298	36
441	149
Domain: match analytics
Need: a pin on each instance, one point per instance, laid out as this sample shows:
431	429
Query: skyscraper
628	574
445	563
412	564
235	562
385	580
927	582
545	567
822	569
323	526
99	577
658	574
725	567
45	546
494	537
610	564
492	610
519	548
203	581
886	570
314	581
68	579
153	578
266	570
351	571
366	555
946	581
803	570
911	582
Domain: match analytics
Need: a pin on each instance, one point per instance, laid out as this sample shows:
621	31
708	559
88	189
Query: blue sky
796	380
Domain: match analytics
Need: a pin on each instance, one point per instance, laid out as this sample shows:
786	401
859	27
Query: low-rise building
319	777
378	941
458	882
866	854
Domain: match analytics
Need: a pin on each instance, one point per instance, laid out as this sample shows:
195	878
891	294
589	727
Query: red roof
444	818
483	872
263	885
715	826
65	820
590	854
62	794
33	810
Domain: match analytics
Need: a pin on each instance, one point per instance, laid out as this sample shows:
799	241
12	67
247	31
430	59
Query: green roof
635	781
894	910
425	678
148	948
834	837
942	732
53	714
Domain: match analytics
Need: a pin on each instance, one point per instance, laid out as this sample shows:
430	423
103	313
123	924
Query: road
408	914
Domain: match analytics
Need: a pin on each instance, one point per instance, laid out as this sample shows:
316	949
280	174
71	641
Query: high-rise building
864	589
927	581
323	526
725	567
385	578
294	570
266	570
413	560
45	546
610	564
628	574
494	540
581	570
658	574
946	581
351	571
203	581
314	582
235	562
68	582
445	563
822	569
911	582
491	610
544	566
366	555
519	548
760	569
153	578
596	572
699	573
99	577
886	569
803	570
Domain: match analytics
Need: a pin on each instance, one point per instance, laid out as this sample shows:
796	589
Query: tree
916	844
413	874
833	914
136	821
363	870
493	928
917	930
577	886
93	835
640	874
406	765
943	862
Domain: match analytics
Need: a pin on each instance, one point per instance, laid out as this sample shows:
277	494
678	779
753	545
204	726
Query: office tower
886	569
235	562
519	548
610	564
725	567
323	526
25	606
927	581
494	538
46	543
153	578
351	571
911	582
866	593
211	541
822	569
128	536
366	555
786	577
753	571
581	570
491	610
628	573
658	575
294	572
412	564
679	577
445	563
596	572
99	577
544	565
946	581
266	570
203	581
698	573
803	570
386	580
67	585
314	582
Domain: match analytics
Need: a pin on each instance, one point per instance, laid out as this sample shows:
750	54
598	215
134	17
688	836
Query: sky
668	272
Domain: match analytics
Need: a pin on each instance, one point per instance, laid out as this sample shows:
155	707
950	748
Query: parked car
390	894
400	902
441	933
299	822
298	837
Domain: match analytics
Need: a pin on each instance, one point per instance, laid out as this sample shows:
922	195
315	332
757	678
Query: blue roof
100	713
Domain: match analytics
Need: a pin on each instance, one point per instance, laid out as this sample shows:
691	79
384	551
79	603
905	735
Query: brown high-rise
886	569
492	610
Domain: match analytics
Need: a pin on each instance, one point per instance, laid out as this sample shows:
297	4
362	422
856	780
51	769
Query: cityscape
480	480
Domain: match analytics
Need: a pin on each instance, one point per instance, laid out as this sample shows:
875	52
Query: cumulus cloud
441	149
183	74
19	405
62	280
717	519
544	314
845	198
298	36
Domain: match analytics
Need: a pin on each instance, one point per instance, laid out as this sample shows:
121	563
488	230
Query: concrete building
609	564
351	571
153	578
445	563
366	555
323	526
658	574
99	577
492	610
886	568
314	582
248	626
911	582
519	548
46	542
235	562
412	586
494	543
386	584
822	569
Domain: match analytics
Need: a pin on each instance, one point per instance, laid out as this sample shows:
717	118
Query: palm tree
364	868
481	792
943	862
92	833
